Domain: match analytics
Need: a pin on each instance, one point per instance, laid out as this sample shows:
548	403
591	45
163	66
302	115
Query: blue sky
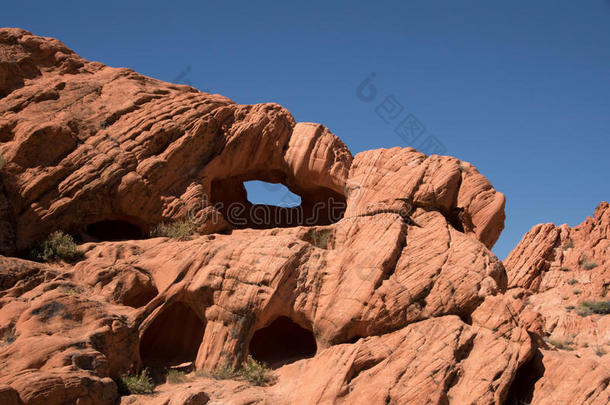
518	88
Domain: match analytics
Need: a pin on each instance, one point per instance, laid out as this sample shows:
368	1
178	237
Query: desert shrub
568	245
595	307
587	264
58	246
560	344
565	269
137	384
221	372
75	291
319	238
180	229
600	351
224	372
176	376
577	291
570	307
256	373
8	337
572	281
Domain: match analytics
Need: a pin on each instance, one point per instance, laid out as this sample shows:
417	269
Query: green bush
137	384
600	351
176	376
565	269
180	229
572	281
595	307
586	264
319	238
224	372
256	373
58	246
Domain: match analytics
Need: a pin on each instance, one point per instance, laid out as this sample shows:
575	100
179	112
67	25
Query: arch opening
173	338
113	230
264	193
282	342
319	206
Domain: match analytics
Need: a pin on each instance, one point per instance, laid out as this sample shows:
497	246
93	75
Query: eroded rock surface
558	272
379	288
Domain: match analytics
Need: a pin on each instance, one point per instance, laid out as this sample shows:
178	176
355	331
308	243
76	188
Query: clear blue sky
518	88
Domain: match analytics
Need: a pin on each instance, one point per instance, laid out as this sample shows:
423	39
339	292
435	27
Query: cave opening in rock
172	338
113	230
282	342
316	206
521	390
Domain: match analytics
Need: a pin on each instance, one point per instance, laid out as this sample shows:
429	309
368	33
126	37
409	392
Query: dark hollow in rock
522	388
114	230
172	338
282	342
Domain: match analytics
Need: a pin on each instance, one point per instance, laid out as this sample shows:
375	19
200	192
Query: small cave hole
282	342
113	230
521	390
173	338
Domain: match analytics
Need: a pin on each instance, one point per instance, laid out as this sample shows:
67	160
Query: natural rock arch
282	342
319	206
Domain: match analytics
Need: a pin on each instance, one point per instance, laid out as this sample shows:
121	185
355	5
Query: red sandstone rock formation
379	288
555	270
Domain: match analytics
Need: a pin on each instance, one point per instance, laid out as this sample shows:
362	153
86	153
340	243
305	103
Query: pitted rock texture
383	290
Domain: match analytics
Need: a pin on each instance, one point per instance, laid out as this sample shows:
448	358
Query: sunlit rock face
378	288
562	275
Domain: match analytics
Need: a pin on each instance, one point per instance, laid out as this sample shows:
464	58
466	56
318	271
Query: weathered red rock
572	379
383	276
555	269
